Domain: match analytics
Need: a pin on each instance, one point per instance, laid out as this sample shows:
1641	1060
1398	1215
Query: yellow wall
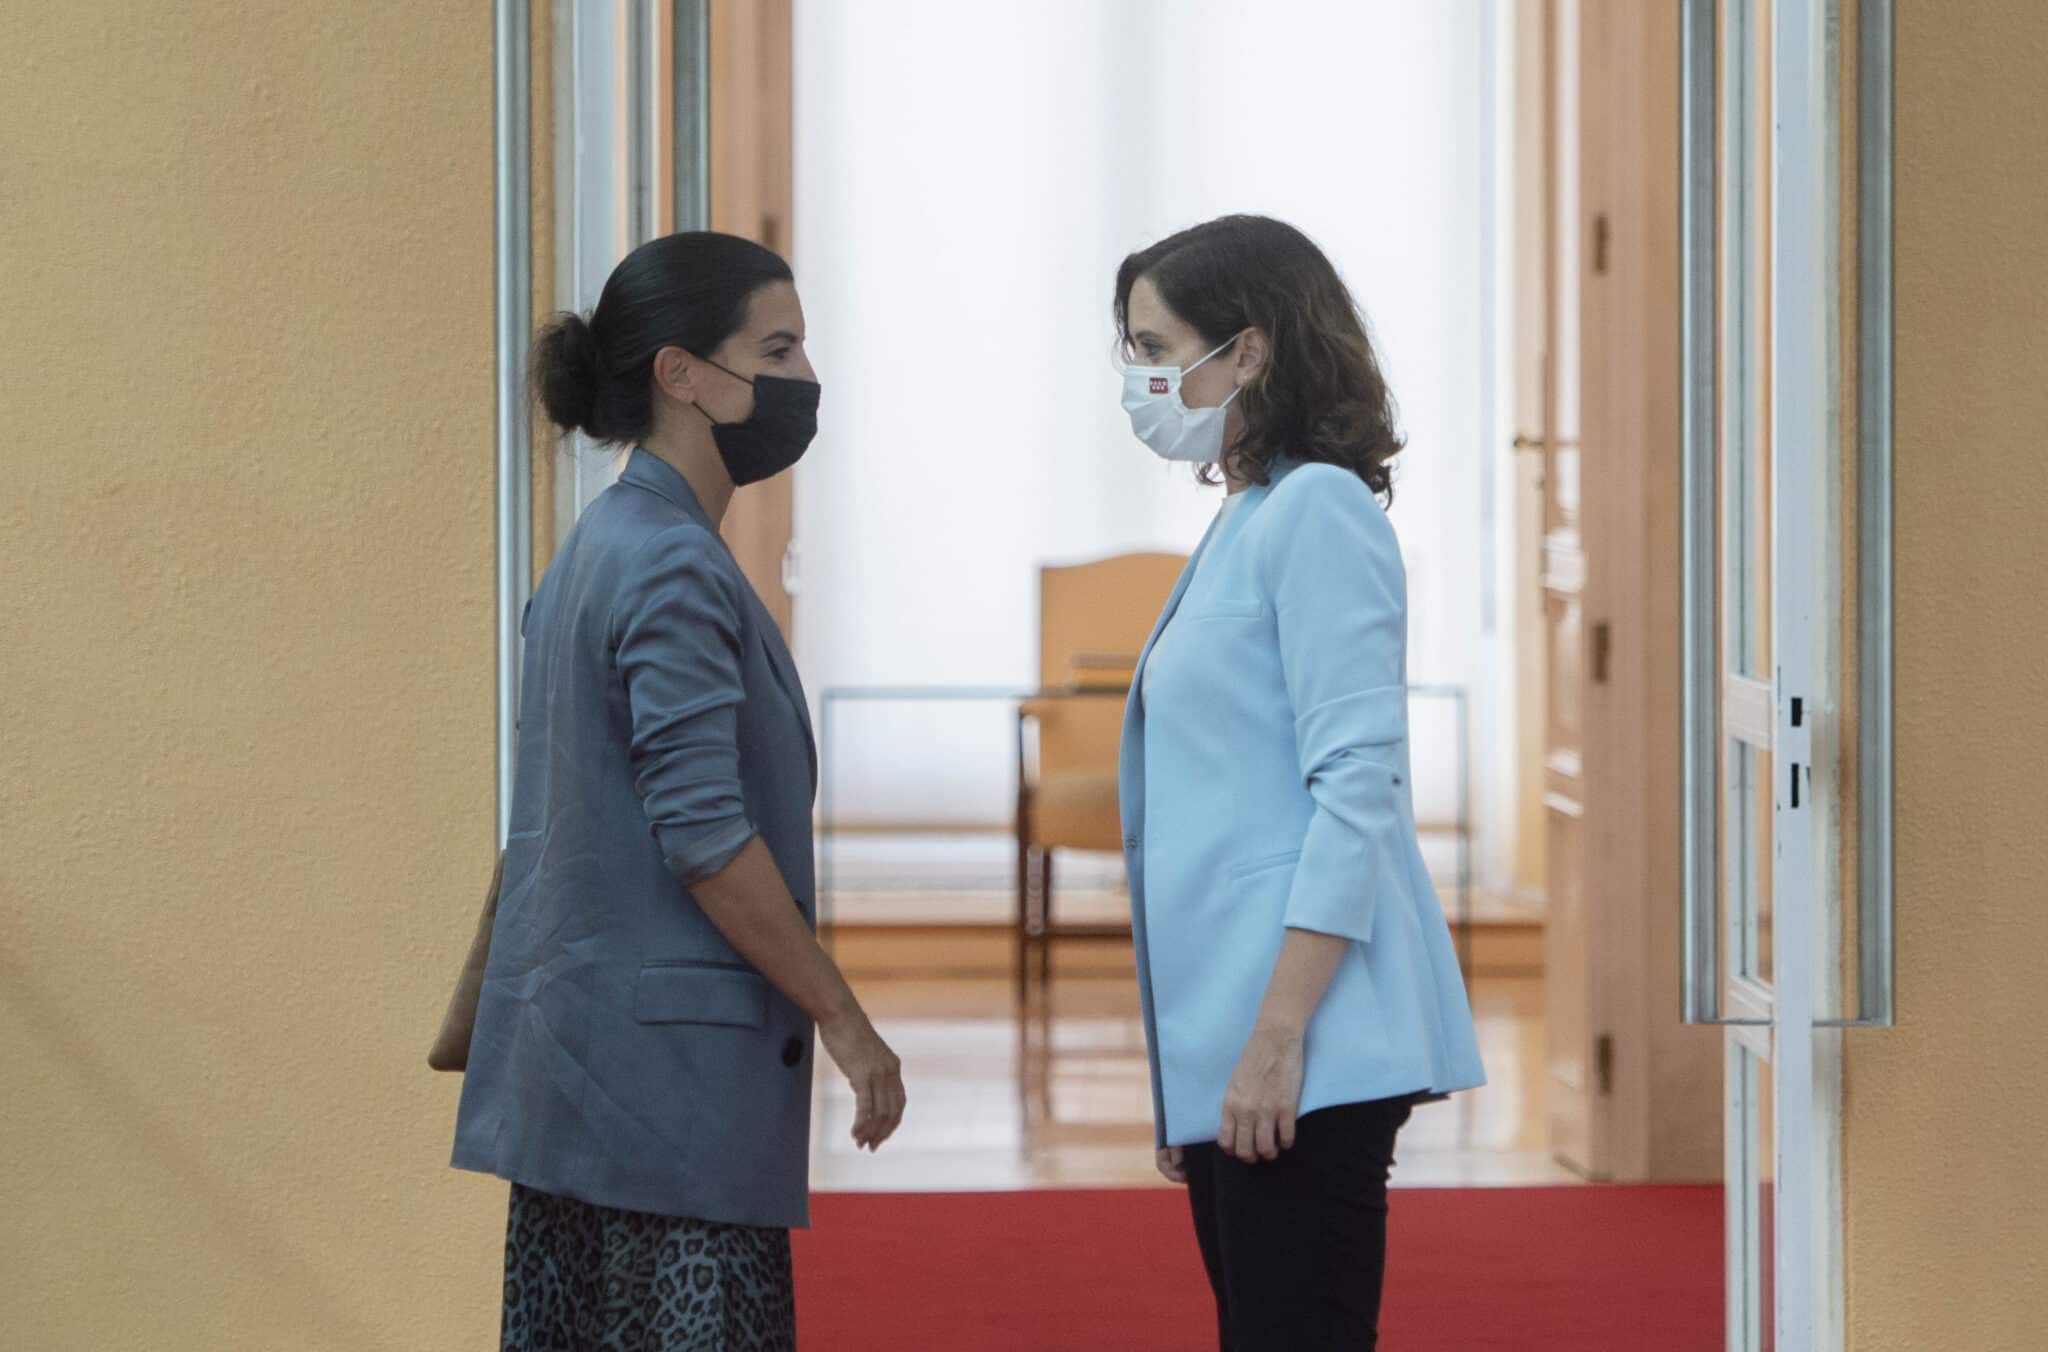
1948	1229
245	670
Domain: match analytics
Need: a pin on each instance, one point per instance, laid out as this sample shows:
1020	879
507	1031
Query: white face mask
1172	429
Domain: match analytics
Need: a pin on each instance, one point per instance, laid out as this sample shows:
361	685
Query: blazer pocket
1264	862
677	992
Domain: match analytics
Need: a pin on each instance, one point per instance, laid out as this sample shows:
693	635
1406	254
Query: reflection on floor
1060	1099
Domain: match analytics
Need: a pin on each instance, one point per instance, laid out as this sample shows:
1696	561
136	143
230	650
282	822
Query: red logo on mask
1159	384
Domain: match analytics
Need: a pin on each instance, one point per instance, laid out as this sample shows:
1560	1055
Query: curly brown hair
1320	395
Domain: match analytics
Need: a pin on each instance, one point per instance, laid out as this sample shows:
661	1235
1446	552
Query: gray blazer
625	1054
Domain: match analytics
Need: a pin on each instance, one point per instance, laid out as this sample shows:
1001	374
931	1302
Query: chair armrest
1097	673
1038	706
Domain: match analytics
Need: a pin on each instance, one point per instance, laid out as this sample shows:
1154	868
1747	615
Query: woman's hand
1172	1165
873	1071
751	906
1264	1092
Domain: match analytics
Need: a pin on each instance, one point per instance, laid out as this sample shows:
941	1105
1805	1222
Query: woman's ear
674	373
1252	351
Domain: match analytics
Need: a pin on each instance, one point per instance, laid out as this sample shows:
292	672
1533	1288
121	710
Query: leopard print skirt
583	1278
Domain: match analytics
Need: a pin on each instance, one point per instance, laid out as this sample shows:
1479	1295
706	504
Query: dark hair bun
691	291
566	373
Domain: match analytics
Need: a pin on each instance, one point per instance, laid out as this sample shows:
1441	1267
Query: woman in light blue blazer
1299	985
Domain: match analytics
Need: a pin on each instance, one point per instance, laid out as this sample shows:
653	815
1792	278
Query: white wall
967	179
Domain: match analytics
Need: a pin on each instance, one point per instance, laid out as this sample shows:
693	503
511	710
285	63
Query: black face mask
775	435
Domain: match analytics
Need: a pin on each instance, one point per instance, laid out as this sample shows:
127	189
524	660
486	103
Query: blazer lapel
1212	538
1131	752
1180	589
784	667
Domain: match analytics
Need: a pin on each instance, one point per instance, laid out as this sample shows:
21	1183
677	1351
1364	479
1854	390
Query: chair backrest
1093	618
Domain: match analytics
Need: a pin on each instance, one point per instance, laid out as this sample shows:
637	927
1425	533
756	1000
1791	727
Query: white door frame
1783	1024
596	183
1803	291
512	288
612	144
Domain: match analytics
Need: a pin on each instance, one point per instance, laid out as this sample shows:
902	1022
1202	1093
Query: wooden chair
1093	619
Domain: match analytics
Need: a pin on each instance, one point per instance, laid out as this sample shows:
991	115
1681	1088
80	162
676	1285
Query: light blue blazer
1265	787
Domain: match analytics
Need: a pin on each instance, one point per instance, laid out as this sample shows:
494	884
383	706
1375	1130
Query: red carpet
1589	1269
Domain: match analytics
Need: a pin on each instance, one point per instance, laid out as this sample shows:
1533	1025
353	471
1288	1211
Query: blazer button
792	1052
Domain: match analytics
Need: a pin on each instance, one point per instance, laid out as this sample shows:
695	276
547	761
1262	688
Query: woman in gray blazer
641	1065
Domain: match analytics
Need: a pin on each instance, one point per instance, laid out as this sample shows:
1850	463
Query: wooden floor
1060	1098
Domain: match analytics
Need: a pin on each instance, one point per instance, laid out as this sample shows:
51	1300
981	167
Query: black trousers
1296	1247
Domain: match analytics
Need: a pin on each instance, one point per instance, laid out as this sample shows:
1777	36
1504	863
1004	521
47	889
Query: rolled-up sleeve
677	636
1334	573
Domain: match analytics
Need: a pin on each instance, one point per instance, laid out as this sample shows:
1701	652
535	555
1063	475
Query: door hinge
1600	232
1603	646
1799	772
1603	1062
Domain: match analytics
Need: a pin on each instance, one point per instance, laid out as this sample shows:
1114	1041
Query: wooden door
751	196
1548	404
1633	1093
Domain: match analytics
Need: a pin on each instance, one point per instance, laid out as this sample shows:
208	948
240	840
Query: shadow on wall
267	1259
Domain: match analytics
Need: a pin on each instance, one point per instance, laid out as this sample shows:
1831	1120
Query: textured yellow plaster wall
1948	1229
245	670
